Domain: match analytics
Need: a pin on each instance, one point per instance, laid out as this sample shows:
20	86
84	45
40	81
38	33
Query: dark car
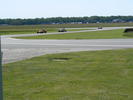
100	27
62	30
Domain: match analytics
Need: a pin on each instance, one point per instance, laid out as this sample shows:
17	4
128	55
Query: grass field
90	75
128	34
25	29
28	30
109	34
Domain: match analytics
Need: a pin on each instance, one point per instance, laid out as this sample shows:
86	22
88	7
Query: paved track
17	49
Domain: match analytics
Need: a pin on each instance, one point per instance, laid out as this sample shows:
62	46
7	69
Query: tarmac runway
20	49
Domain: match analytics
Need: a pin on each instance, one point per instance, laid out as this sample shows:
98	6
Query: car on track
42	31
100	27
62	30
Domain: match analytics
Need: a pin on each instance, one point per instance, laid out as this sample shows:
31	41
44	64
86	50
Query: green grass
23	31
8	30
92	75
128	34
110	34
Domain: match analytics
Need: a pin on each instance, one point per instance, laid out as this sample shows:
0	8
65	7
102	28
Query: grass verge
90	75
128	34
23	30
109	34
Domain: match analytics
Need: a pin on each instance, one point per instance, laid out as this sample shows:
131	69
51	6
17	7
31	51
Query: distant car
100	27
42	31
62	30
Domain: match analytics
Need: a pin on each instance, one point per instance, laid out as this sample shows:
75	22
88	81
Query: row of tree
64	20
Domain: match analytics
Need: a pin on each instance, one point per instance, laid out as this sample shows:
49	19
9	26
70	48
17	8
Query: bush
128	32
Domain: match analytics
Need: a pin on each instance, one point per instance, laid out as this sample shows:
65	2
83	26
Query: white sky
64	8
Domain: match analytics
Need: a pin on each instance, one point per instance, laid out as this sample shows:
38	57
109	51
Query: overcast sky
64	8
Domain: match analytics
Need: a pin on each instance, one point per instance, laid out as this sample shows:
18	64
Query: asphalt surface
20	49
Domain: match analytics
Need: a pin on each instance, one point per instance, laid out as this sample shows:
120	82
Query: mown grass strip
90	75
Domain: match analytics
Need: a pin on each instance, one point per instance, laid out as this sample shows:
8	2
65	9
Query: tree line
66	20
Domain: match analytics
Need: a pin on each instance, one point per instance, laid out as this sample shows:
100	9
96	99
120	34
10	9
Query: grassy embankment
94	75
109	34
26	29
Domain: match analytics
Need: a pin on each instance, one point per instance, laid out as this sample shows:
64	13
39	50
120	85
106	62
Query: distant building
117	20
